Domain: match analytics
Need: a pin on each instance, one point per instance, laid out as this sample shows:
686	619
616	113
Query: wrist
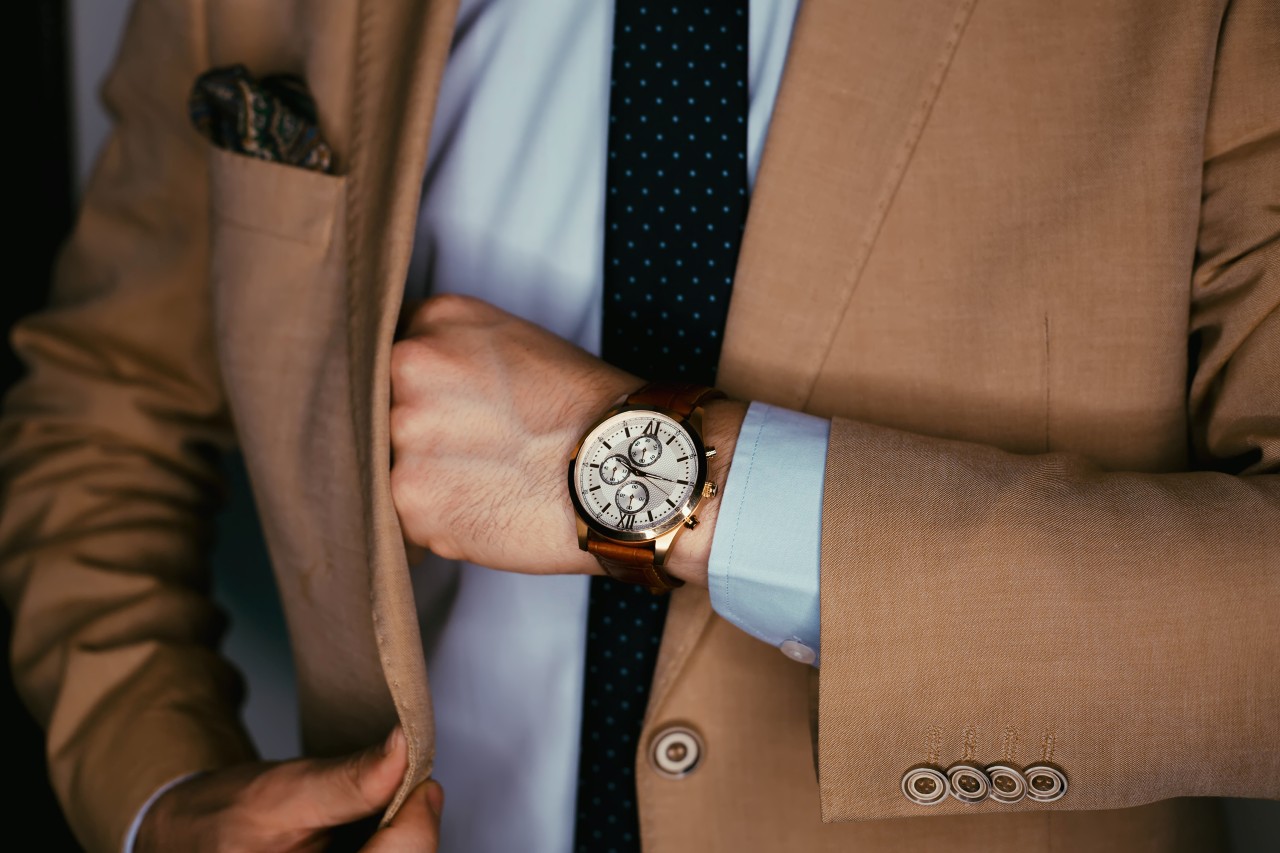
688	558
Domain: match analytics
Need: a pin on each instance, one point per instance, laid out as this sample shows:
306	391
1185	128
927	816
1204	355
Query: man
983	239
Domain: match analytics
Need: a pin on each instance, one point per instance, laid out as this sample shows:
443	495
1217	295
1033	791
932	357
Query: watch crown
691	521
709	489
711	451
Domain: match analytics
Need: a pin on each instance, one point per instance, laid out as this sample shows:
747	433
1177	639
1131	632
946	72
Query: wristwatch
637	477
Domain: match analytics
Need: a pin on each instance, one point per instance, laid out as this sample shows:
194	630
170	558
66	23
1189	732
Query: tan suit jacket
1027	256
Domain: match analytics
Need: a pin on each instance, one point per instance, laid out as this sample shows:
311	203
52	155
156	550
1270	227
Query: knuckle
448	306
407	359
406	485
443	547
427	365
403	423
410	494
264	788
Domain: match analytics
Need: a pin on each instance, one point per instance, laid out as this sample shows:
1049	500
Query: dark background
55	82
46	153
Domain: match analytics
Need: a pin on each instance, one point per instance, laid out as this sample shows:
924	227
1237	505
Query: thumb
416	827
340	790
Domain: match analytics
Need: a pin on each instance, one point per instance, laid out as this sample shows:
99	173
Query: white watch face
636	471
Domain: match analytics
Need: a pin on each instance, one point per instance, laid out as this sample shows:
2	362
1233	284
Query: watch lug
582	532
662	545
695	419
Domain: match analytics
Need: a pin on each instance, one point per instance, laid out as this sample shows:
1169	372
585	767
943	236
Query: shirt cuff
132	837
763	572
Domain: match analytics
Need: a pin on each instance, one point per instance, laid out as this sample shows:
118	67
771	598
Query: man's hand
416	827
292	806
485	412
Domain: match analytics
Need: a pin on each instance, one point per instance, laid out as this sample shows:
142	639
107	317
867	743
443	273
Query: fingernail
393	741
435	796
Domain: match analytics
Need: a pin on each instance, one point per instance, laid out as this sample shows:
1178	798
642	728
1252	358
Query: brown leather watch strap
678	397
632	563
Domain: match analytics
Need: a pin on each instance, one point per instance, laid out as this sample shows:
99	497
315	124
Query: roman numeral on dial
628	521
651	428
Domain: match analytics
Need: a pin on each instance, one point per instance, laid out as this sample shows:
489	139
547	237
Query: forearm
721	425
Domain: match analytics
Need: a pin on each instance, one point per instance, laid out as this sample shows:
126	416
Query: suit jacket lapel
400	58
859	83
860	80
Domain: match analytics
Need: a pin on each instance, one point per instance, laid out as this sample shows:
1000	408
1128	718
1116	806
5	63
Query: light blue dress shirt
512	212
763	571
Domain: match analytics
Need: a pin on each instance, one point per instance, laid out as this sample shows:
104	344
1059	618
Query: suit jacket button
968	783
1007	784
676	752
1045	783
925	785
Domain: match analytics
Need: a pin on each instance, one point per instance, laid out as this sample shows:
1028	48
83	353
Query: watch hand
659	488
637	473
646	474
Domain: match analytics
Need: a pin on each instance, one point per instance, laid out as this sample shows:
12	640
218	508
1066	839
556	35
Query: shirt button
1045	783
925	785
798	651
676	751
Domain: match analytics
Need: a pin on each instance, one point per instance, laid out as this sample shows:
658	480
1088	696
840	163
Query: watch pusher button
710	489
691	522
711	451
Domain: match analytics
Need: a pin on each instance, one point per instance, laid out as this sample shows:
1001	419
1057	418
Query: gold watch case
663	535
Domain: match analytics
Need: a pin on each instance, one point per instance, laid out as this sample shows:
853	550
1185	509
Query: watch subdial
645	450
614	470
632	497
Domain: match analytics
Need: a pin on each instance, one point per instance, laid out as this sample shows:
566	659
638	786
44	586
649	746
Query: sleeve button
924	785
968	783
1007	784
1045	783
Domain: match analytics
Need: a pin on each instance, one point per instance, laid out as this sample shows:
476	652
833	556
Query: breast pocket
287	202
278	280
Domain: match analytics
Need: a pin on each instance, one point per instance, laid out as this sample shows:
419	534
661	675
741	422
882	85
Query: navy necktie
674	213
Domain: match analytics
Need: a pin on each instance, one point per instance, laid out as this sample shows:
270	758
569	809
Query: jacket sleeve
109	463
985	607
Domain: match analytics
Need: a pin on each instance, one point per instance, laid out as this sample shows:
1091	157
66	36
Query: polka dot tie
674	212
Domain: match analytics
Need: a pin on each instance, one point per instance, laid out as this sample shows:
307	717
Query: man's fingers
337	791
450	309
435	796
416	826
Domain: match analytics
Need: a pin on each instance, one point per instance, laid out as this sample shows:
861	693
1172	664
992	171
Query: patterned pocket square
272	119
